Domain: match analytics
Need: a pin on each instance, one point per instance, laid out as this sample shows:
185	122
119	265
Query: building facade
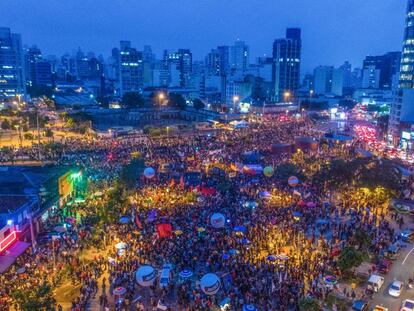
286	64
12	75
130	69
402	109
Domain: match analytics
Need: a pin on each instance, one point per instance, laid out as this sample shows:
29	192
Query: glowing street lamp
161	97
236	99
286	95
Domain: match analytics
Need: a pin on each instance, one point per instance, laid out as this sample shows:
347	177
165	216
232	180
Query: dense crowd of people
277	245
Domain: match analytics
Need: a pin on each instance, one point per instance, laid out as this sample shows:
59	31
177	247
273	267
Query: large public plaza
273	215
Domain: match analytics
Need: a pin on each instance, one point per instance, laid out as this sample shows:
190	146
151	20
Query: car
360	305
384	266
407	305
393	252
407	235
396	288
380	308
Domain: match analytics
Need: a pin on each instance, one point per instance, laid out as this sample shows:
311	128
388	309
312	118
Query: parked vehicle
396	288
393	252
384	266
407	235
407	305
375	282
360	305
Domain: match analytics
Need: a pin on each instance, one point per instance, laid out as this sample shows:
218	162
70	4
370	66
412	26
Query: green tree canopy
5	125
349	258
35	298
132	100
177	100
309	304
198	104
131	173
285	170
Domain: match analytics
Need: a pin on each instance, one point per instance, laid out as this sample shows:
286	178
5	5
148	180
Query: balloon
149	172
145	276
268	171
210	284
217	220
293	181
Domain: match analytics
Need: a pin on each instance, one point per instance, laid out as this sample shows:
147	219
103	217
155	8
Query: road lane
401	270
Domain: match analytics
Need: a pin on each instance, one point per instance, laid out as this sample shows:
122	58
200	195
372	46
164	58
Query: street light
286	95
161	97
236	98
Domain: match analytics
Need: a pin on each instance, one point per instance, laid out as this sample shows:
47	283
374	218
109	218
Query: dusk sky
332	30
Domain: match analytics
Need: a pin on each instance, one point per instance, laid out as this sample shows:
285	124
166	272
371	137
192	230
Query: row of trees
136	100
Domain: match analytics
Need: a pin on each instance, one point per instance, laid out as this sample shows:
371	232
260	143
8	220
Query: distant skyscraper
286	64
218	61
347	72
322	80
32	55
12	76
131	69
185	65
42	73
239	57
371	77
384	66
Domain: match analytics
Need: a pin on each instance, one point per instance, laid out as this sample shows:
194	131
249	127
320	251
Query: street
401	270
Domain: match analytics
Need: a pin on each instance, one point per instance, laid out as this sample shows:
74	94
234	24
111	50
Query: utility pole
38	136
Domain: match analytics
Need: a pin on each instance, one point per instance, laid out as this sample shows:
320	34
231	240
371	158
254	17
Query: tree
49	133
309	304
131	172
198	104
378	173
28	136
177	100
40	90
5	125
349	258
132	100
362	239
285	170
35	298
335	174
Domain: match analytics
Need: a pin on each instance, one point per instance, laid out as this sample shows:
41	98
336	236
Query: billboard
65	185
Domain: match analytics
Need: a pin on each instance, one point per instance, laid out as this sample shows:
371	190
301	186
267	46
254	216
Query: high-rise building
328	81
402	109
371	77
347	72
239	56
130	69
380	69
218	61
185	66
12	76
32	55
286	64
322	80
42	73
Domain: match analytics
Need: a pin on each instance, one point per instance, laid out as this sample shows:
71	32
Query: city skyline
326	33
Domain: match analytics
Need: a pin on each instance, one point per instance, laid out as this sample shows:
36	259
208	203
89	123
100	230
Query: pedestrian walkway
94	303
